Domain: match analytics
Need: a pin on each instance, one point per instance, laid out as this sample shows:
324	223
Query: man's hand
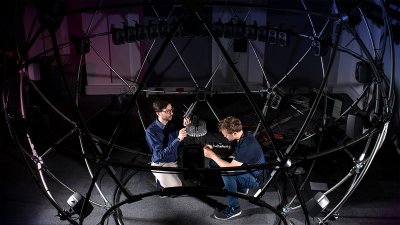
186	121
182	134
208	152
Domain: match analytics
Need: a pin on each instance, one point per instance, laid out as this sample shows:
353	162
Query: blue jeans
233	183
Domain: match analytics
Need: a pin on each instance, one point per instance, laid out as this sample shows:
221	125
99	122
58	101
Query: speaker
316	48
262	33
117	35
316	204
193	158
272	36
240	45
282	39
354	127
364	72
130	33
76	202
82	45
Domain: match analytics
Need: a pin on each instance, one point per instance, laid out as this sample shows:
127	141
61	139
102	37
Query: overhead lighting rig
237	30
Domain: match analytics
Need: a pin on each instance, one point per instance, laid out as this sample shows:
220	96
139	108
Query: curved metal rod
78	80
266	6
59	141
140	116
144	61
309	18
377	72
43	189
115	146
366	88
128	110
37	159
90	170
391	95
221	59
110	67
52	176
355	168
369	31
184	64
291	69
377	146
292	147
81	123
308	173
351	52
51	105
259	63
264	112
212	110
243	84
192	191
340	147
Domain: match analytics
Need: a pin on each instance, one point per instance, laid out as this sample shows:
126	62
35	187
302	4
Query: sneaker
228	213
245	192
162	196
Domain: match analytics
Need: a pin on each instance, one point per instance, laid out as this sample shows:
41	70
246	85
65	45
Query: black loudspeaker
282	39
364	72
262	33
316	48
272	36
316	204
354	126
130	33
240	45
82	45
76	201
118	35
193	158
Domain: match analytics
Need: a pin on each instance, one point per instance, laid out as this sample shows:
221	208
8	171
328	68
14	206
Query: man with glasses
247	152
164	139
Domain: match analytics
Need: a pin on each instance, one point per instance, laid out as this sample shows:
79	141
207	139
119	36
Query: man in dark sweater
247	152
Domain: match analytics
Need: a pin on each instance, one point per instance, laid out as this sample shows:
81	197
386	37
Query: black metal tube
244	86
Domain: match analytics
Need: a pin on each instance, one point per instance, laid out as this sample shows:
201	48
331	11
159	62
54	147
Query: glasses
169	111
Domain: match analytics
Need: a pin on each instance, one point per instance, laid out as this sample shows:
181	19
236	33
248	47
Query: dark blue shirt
249	152
163	142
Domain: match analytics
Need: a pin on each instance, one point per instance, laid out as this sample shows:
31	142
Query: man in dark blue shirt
247	152
164	139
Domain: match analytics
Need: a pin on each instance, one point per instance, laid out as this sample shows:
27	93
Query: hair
160	104
230	124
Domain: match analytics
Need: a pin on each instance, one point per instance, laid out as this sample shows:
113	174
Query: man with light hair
247	152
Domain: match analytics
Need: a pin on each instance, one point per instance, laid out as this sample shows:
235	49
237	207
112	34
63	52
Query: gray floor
375	202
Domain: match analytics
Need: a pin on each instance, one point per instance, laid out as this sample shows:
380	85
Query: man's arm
209	153
155	143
